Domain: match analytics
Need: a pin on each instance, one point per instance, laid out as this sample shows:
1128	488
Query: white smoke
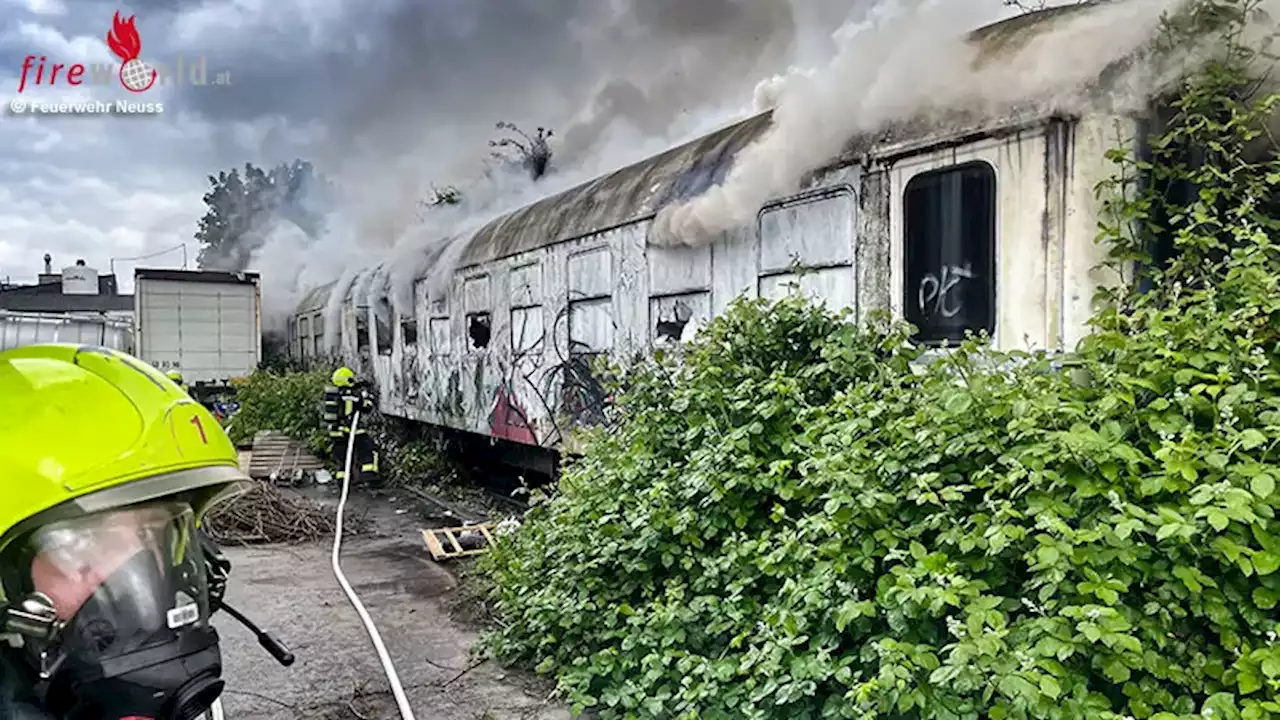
648	74
903	60
672	71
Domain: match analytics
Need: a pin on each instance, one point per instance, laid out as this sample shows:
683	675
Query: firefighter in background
176	377
342	399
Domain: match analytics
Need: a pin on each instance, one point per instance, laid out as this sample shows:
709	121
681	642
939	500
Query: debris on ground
455	542
463	503
267	514
277	455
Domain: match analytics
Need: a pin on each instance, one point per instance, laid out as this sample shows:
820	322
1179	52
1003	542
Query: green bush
291	403
410	452
799	520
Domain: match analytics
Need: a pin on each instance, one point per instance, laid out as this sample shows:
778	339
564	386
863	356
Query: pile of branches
266	515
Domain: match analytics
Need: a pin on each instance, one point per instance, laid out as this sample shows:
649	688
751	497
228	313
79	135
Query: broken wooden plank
437	547
278	454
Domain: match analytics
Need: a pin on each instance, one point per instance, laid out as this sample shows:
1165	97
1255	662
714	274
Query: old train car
1001	206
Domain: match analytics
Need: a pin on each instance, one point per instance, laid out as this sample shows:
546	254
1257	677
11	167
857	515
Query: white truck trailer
205	324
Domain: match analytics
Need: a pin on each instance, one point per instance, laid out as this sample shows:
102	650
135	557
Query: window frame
469	313
578	299
815	196
363	341
938	334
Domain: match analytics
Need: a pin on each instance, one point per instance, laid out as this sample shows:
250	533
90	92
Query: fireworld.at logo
133	73
123	40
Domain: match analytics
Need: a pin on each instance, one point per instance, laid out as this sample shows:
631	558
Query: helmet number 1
195	420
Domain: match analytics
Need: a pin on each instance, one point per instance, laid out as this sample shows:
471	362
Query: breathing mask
112	614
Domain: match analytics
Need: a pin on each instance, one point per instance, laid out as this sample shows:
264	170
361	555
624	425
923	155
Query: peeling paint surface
554	304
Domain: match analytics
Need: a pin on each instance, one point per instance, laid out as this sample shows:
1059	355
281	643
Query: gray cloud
388	95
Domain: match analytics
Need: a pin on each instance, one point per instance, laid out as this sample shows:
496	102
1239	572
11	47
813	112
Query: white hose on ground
389	667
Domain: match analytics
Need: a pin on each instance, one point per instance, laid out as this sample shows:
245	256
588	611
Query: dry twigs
267	515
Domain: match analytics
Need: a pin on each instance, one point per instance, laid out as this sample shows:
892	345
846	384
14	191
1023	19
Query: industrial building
77	305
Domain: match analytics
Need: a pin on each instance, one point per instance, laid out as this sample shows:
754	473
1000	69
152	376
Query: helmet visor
120	581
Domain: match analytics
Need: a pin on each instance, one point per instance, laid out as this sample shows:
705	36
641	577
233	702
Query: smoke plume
903	60
616	80
624	79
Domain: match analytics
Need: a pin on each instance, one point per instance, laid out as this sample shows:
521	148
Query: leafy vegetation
410	451
291	403
240	207
798	519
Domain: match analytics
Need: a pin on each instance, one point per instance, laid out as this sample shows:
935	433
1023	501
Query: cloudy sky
381	94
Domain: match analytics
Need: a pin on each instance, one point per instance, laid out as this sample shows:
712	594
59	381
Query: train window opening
317	333
304	336
526	330
479	329
813	230
673	328
409	331
476	303
362	329
382	323
526	285
1176	192
591	326
674	319
438	328
950	252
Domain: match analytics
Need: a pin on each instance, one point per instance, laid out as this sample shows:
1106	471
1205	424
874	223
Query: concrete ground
291	592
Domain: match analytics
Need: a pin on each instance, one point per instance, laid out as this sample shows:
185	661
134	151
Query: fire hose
406	712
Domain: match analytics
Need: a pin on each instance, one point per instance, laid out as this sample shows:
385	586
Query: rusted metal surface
629	194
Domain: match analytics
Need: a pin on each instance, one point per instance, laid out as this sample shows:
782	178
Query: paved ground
291	591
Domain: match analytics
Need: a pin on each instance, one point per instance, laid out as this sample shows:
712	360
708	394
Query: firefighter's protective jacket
342	403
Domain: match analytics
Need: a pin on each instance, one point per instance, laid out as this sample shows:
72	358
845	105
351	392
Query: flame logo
135	75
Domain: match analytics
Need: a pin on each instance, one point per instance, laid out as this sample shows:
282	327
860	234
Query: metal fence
18	329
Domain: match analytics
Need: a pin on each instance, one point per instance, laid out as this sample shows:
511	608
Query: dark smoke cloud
680	54
412	92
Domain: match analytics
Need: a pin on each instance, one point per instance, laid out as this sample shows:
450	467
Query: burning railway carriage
983	224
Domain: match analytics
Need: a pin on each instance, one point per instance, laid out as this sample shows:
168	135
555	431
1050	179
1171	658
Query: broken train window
362	328
478	320
409	332
479	329
675	318
382	316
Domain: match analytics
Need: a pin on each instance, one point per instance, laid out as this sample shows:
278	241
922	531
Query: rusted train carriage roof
625	195
639	190
316	298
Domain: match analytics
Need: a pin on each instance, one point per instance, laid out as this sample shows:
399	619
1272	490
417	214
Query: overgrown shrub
798	521
291	403
410	452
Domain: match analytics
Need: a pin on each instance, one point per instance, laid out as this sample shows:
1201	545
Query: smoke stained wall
624	79
904	59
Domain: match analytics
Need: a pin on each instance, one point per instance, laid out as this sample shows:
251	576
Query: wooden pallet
443	542
275	452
